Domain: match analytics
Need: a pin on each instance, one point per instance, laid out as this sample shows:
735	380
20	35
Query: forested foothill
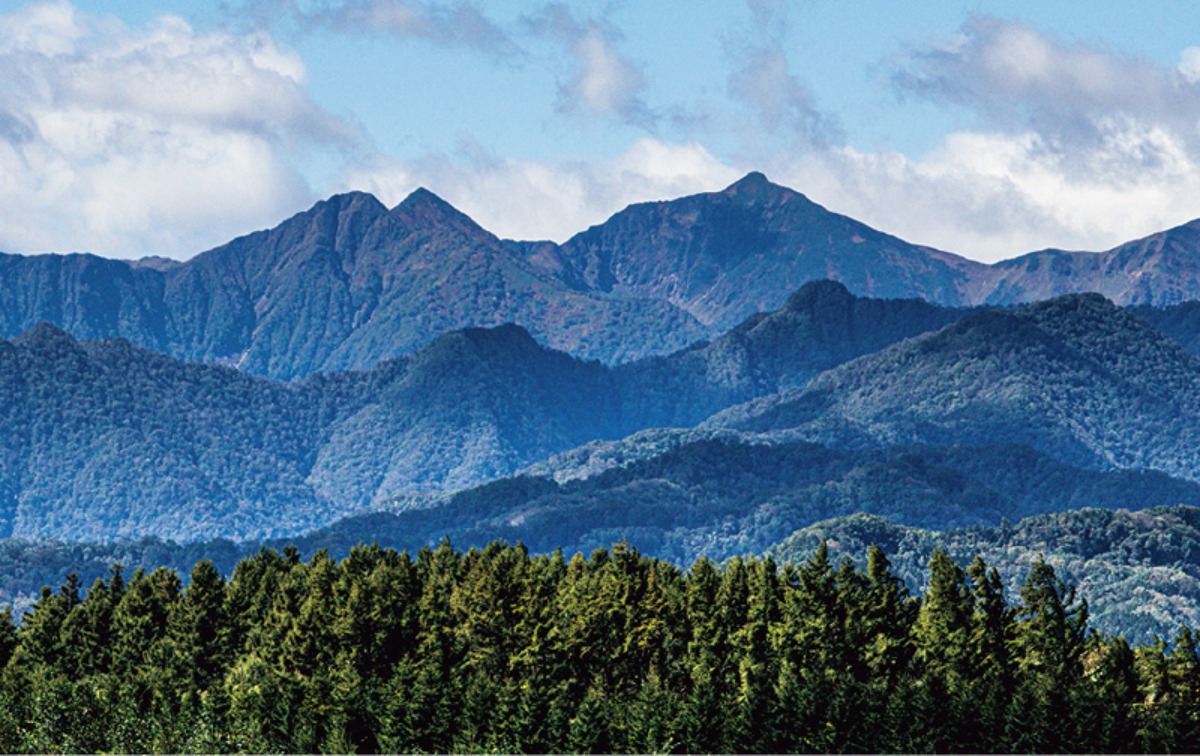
498	649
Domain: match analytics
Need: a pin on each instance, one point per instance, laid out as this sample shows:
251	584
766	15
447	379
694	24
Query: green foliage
1140	570
495	649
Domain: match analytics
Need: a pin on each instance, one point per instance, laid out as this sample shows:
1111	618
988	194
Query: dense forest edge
495	649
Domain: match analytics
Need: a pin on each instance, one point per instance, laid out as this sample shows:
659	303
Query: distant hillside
722	256
1076	377
343	285
349	283
104	439
1161	269
1140	571
725	496
820	326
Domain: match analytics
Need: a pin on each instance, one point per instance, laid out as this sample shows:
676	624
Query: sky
987	129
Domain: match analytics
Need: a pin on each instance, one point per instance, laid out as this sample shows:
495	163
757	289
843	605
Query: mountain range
105	439
709	376
102	439
1075	377
349	283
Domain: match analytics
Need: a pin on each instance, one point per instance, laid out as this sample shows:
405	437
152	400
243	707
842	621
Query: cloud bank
157	140
1076	143
162	139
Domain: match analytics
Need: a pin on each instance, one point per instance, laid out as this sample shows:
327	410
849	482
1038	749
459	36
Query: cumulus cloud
603	81
1072	95
544	200
155	140
460	24
1078	147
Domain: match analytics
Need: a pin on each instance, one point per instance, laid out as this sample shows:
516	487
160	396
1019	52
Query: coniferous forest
500	650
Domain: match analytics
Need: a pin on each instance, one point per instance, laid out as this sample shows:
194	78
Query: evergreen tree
1050	633
943	635
991	638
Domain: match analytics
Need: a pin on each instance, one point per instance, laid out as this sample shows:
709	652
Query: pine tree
8	636
943	635
991	638
1050	632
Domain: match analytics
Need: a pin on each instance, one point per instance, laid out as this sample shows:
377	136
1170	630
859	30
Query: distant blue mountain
105	439
349	282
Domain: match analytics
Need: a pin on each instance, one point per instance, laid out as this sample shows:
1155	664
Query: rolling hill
104	439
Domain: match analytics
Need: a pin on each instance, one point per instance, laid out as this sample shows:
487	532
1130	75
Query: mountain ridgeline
723	497
1075	377
104	439
349	283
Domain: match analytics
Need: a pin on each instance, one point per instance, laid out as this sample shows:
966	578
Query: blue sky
987	129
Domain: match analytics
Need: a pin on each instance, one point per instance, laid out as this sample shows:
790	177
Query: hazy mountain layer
726	496
1075	377
106	439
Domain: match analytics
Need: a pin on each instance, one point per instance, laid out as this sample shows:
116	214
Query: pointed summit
43	333
753	179
425	209
754	186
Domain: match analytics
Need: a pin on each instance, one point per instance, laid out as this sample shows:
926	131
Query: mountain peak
753	186
43	333
421	201
424	208
818	292
346	201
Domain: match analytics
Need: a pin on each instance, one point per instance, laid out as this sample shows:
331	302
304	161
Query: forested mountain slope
1075	377
343	285
102	439
724	496
1140	571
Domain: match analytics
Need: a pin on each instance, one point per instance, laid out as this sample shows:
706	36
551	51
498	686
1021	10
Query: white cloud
1020	79
603	81
155	140
1082	148
1189	64
459	24
993	196
539	200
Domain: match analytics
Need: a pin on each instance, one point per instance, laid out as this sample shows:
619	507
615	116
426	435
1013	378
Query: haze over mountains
107	439
348	282
1075	377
